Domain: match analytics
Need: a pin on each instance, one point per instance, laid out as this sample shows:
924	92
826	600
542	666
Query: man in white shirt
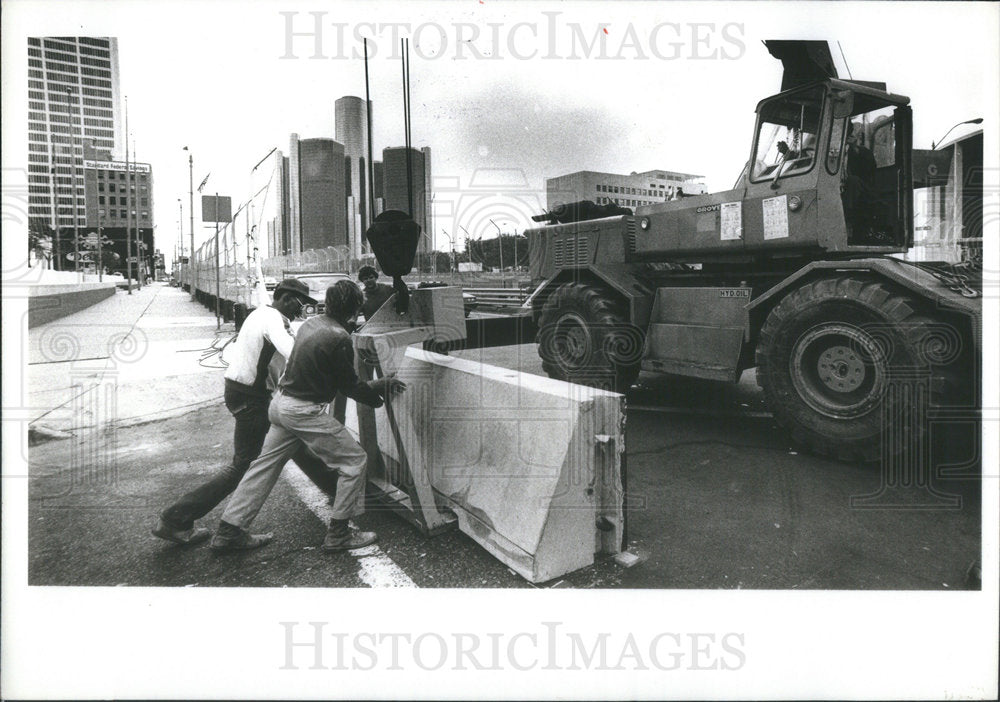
248	393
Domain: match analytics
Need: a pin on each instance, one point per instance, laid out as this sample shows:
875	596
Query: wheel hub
841	369
838	369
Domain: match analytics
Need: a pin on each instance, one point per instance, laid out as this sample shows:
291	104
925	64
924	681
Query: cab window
787	135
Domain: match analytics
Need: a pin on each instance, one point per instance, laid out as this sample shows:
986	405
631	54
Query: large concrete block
529	465
439	311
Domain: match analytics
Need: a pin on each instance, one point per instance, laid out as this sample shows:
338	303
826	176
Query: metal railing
499	297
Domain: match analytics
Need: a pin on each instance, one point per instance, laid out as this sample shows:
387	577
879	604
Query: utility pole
55	212
139	258
128	210
191	214
503	277
180	237
218	324
100	246
515	255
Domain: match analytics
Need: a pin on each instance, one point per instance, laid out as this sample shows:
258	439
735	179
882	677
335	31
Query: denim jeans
252	424
296	424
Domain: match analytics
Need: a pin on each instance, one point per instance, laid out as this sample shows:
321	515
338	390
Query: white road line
376	568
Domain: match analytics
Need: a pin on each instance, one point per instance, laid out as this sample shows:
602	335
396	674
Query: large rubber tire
584	337
827	359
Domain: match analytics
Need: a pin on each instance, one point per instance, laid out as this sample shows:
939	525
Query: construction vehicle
793	271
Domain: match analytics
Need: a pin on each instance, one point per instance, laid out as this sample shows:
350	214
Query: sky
505	94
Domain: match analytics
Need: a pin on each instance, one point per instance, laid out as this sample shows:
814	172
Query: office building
631	190
278	233
316	194
73	99
351	130
119	206
396	194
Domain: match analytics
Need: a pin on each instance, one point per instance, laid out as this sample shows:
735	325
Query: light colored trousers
295	423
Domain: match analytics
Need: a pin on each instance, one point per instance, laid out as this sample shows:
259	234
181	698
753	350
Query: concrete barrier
530	466
47	303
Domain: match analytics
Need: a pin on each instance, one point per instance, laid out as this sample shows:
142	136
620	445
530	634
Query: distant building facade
395	192
317	194
351	130
631	190
119	206
73	101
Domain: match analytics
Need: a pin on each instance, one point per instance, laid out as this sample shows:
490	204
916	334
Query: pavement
717	496
126	360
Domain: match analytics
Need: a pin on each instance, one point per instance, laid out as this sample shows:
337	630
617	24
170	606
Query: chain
956	278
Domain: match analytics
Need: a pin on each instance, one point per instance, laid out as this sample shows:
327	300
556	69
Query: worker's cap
298	287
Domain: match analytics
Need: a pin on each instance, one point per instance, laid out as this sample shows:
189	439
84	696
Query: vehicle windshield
319	283
787	134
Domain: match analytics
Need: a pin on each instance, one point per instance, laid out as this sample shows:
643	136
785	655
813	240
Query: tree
40	244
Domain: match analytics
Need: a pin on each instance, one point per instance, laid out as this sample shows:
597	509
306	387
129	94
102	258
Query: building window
121	176
144	201
111	187
100	212
100	175
145	214
100	187
121	214
100	199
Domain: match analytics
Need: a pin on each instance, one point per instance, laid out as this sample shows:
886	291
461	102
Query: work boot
340	537
232	538
185	537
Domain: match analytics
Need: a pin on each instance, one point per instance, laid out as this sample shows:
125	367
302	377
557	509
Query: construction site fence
233	280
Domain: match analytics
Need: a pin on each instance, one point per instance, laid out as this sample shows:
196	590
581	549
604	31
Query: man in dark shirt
376	293
321	365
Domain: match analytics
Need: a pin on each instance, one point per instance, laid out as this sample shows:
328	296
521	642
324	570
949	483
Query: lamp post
191	214
451	247
516	264
72	156
503	277
977	120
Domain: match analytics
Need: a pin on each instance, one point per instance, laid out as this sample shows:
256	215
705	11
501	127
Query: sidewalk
126	360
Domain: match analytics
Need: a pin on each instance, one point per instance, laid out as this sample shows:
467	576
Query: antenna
845	60
405	43
368	119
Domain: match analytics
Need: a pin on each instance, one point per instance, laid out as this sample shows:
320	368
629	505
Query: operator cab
851	143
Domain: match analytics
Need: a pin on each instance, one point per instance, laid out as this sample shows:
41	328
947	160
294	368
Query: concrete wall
50	302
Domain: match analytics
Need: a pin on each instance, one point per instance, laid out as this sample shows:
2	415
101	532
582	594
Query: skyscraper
316	194
351	130
73	98
396	195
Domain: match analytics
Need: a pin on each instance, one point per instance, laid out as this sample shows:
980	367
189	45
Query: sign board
117	166
133	259
468	267
209	213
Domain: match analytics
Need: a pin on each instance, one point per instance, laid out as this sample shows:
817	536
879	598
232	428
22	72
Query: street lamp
451	246
468	240
977	120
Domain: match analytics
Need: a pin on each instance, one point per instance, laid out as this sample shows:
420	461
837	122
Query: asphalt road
718	499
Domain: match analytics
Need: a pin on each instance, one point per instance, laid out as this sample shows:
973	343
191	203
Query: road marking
376	568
